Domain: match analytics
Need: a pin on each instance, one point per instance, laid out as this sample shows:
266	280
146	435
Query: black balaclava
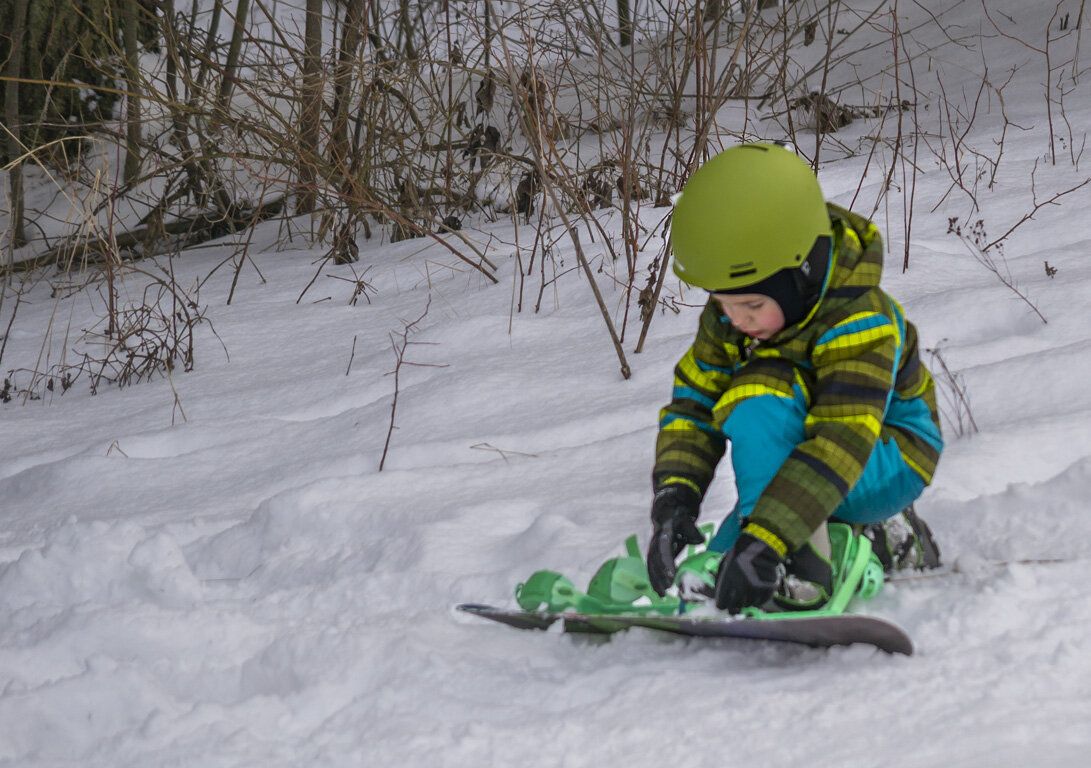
796	289
781	288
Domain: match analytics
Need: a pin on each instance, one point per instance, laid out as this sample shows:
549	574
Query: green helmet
746	214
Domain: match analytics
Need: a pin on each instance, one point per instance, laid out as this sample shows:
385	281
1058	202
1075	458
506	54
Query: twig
933	574
1037	207
659	280
503	454
574	233
351	356
963	417
973	242
399	355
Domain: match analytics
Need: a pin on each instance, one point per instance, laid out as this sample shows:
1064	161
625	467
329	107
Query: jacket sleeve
690	445
854	363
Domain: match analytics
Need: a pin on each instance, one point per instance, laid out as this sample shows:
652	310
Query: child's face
752	313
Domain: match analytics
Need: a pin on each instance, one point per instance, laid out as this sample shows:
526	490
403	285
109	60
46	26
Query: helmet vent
746	270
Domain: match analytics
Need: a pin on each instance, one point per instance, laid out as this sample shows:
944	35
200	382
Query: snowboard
817	629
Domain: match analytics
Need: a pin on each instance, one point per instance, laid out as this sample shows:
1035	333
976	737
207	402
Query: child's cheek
774	320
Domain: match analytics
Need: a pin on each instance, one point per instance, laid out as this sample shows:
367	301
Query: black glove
747	575
674	525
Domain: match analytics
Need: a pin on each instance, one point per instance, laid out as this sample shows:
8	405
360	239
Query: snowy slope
243	587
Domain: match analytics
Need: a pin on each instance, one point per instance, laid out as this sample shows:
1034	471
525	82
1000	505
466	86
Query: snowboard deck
814	628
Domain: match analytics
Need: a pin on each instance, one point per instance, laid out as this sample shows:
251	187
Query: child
808	369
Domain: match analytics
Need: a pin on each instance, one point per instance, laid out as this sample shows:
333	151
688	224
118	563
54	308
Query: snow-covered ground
241	586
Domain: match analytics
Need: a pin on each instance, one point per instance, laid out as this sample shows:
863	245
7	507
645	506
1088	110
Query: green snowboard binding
621	585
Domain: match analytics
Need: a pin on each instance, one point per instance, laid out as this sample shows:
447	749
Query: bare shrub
577	123
133	341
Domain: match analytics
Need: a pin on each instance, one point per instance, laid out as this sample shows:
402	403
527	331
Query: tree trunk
210	42
312	107
170	40
13	120
624	23
130	21
232	64
406	30
342	87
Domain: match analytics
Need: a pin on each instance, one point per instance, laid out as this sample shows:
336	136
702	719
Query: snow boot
903	541
834	566
806	576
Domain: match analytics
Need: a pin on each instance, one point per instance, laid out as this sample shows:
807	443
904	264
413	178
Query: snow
210	569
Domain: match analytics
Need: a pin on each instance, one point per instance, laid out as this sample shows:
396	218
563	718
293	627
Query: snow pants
763	430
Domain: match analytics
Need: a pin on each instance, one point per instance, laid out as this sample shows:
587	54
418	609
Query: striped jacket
852	357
